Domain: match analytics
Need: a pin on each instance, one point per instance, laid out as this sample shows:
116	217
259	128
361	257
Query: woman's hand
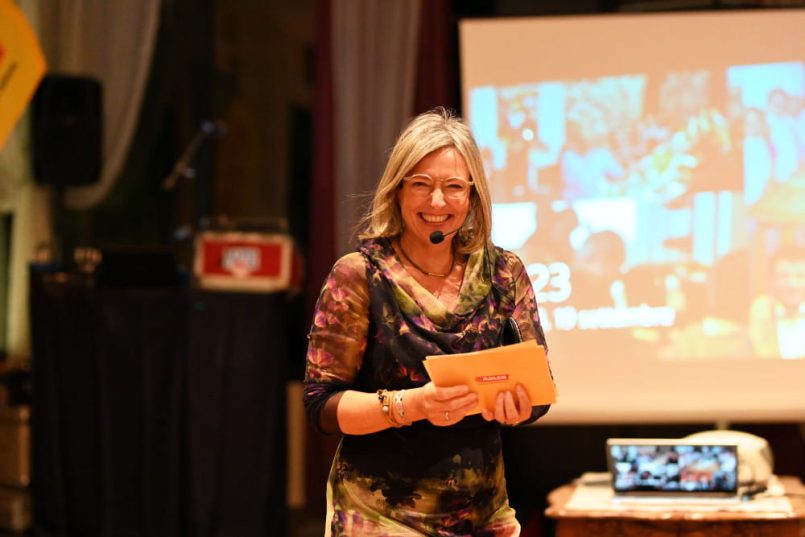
444	405
508	410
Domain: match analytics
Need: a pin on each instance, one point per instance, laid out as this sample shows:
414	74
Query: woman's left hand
510	409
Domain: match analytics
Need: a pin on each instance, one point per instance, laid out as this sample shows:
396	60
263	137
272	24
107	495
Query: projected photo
661	212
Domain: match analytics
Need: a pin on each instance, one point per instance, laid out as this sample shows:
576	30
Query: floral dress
373	326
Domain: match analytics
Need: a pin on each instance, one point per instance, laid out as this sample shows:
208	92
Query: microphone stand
183	169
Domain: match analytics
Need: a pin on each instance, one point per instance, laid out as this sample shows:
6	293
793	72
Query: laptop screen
672	467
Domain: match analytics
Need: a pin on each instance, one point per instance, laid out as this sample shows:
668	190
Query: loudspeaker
67	131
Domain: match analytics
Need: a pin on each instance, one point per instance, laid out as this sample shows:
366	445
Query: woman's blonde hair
425	134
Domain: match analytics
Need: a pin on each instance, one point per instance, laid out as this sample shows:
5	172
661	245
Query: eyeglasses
423	185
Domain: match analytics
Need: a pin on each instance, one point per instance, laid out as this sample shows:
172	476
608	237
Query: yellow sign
22	66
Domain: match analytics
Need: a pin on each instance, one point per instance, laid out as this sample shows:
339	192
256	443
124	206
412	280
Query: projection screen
648	169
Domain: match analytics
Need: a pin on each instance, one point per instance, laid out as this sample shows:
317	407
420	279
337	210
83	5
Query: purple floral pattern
373	326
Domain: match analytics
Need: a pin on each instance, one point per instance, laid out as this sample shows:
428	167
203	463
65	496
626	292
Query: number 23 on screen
551	282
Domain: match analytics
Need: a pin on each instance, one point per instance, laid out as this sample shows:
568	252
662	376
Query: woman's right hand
444	406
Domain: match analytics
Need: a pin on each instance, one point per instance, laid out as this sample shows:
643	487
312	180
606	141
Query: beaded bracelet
385	398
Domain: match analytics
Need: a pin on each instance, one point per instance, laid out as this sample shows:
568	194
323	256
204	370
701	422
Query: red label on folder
493	378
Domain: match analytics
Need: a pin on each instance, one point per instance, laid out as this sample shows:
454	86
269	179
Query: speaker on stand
67	141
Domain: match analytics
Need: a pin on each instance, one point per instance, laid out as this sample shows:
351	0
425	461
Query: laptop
684	470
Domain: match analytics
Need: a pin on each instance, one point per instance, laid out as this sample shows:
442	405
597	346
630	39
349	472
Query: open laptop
662	469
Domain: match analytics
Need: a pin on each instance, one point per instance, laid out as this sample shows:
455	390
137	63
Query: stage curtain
374	53
321	251
319	449
437	58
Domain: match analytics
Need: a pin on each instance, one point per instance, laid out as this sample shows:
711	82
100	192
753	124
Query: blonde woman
425	280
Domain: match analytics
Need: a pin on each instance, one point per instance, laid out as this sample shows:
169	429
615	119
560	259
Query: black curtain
157	412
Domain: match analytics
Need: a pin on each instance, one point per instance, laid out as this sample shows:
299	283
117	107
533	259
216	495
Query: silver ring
446	416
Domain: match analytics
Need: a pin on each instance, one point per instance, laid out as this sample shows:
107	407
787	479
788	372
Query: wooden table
578	523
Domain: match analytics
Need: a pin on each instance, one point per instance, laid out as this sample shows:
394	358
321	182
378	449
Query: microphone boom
437	236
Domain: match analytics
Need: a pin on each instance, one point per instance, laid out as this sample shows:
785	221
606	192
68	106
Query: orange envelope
493	370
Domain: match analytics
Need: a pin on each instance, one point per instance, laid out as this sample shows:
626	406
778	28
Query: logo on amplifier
241	261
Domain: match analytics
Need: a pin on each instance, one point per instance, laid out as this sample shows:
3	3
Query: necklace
423	271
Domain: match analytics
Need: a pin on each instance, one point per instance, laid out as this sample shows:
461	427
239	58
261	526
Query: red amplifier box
246	261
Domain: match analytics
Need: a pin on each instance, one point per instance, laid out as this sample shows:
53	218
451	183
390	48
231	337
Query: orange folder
493	370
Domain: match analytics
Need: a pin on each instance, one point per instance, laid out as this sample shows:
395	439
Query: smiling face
424	214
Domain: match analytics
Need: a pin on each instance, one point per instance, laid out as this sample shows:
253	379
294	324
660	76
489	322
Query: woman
410	462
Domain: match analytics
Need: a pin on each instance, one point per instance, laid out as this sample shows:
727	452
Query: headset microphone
437	236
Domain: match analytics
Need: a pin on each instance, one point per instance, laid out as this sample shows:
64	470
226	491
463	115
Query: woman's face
440	209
